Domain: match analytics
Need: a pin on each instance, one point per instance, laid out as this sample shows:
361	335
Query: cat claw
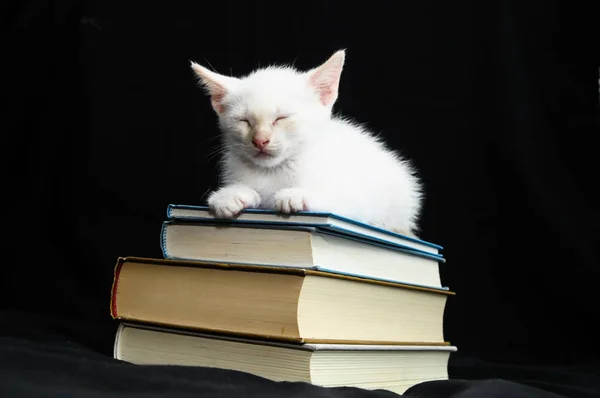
229	202
290	200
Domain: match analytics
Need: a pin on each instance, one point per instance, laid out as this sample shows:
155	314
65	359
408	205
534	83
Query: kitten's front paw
291	200
229	201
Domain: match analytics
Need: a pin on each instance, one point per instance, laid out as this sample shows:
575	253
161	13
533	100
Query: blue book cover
322	221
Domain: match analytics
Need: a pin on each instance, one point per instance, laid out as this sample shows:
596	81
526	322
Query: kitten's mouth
263	154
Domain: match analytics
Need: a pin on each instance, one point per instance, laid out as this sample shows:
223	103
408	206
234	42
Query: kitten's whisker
209	64
222	148
218	149
212	155
209	140
294	61
205	192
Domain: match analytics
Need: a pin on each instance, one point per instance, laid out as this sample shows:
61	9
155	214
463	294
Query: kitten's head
267	116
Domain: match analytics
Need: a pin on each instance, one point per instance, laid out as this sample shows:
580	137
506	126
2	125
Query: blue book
299	246
322	221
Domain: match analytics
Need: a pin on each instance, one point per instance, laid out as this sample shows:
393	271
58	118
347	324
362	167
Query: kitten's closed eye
245	121
280	118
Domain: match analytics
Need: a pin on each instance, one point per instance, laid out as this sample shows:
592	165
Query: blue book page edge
163	239
323	228
311	229
309	213
371	239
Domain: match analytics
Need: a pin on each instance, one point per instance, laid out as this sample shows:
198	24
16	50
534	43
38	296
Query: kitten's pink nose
260	143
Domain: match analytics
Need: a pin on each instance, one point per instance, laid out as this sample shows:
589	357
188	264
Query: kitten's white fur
315	161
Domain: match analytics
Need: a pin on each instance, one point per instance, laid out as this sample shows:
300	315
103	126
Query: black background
496	103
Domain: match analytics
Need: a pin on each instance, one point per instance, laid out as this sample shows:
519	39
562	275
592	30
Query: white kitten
285	151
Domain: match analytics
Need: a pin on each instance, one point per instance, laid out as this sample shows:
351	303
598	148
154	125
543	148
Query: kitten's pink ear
325	79
215	84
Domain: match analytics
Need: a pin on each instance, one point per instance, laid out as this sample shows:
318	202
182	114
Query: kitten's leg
291	200
229	201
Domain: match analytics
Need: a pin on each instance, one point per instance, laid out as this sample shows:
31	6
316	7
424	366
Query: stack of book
308	297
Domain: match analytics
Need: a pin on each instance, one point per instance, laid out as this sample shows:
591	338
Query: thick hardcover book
391	367
299	247
276	303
